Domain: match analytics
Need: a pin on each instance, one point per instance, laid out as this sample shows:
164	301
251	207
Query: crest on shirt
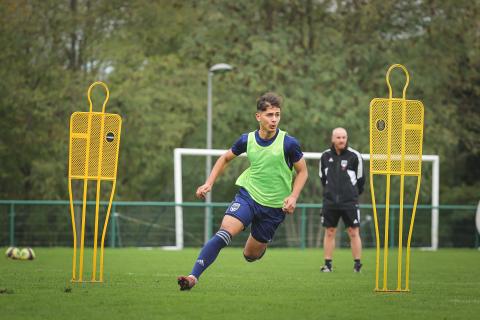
344	164
234	207
330	160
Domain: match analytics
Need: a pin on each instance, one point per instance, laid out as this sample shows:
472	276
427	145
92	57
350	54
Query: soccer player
341	172
266	193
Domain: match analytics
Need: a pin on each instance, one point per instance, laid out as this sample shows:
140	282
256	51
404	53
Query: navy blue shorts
264	220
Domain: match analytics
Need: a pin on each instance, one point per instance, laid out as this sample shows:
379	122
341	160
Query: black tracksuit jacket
342	178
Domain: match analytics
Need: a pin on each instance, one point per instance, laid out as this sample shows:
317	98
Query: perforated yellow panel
98	136
396	135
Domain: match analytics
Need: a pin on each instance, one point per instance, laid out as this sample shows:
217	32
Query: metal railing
26	221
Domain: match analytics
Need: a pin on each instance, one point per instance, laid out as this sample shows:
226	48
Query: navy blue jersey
291	147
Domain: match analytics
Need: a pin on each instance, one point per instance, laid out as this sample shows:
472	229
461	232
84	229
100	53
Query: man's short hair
269	99
339	128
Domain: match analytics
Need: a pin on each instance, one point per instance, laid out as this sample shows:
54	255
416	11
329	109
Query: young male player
266	193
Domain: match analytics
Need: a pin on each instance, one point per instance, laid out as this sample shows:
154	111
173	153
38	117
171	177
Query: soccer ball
12	253
27	254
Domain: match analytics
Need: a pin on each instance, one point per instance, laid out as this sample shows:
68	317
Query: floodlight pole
220	67
208	198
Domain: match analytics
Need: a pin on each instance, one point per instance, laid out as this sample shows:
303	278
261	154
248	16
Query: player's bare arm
301	170
218	168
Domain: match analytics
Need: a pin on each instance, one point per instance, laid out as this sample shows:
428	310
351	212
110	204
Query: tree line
326	58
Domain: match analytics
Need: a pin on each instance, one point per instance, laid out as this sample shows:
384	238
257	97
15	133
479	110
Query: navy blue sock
210	251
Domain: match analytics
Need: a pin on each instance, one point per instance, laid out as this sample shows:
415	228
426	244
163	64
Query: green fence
48	223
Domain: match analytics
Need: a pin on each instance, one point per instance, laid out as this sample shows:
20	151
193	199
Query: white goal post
177	164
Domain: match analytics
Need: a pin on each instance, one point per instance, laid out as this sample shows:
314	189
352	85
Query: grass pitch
285	284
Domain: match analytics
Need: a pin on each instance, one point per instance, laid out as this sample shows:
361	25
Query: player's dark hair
269	99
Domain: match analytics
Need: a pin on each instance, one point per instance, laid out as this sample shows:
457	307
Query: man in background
341	172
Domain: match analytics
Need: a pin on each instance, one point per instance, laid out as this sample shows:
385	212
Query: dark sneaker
357	267
326	269
186	283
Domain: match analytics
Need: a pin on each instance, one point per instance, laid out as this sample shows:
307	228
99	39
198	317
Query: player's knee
330	232
250	259
253	259
353	232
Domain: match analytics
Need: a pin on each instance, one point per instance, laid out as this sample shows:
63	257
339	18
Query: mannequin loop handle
388	80
90	91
